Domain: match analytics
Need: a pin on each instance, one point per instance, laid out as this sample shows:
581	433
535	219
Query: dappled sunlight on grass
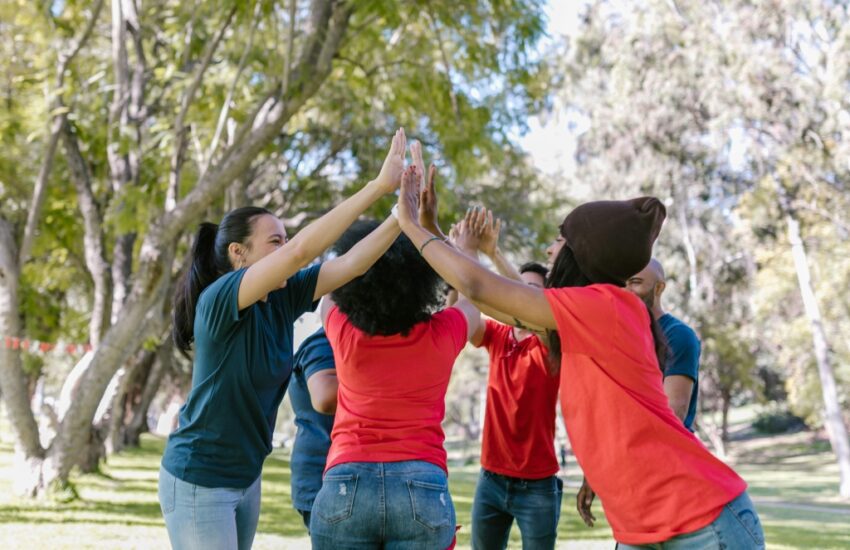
119	508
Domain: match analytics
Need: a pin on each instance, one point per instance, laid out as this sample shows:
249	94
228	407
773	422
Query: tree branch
93	240
225	109
178	156
59	114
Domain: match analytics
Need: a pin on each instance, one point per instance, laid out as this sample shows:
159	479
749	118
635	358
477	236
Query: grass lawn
790	477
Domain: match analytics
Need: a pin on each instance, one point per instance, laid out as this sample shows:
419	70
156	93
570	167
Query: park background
125	123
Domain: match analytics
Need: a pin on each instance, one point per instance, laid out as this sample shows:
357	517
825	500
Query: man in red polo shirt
518	464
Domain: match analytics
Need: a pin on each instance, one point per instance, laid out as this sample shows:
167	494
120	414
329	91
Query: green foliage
461	85
736	115
776	420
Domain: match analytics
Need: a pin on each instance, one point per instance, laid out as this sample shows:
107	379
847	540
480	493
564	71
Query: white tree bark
12	378
833	419
328	26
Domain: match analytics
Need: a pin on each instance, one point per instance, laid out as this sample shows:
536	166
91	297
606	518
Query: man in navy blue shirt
681	373
313	396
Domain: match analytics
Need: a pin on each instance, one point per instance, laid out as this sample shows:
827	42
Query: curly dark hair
397	292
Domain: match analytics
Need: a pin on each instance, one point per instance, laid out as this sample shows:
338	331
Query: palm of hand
393	167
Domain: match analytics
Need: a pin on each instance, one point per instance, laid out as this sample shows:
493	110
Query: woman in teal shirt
237	304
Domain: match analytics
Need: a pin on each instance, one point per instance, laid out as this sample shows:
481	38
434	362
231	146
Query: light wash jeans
737	528
535	504
204	518
390	505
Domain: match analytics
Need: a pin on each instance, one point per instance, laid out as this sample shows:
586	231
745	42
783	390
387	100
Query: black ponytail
210	260
565	273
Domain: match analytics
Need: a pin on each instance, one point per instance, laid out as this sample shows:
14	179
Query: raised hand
466	237
408	199
490	229
390	176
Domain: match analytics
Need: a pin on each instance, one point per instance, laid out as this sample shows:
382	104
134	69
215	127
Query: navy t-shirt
313	435
682	358
243	361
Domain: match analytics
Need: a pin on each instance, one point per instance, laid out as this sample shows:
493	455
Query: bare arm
678	389
323	387
357	261
508	320
503	266
271	271
468	276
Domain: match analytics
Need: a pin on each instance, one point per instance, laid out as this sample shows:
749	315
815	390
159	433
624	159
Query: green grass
119	508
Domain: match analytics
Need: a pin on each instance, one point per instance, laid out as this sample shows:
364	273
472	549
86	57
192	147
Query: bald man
681	373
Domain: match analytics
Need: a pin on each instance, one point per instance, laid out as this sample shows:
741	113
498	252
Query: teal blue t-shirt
242	366
682	358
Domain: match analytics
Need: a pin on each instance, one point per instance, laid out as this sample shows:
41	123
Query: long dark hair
210	261
567	273
397	292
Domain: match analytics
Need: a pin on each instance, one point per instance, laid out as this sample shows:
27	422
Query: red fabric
655	479
392	389
519	424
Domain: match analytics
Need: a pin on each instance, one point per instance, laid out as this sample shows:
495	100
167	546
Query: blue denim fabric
737	528
391	505
535	504
203	518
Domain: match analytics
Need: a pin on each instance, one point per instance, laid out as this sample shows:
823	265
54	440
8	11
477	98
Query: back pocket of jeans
335	501
431	503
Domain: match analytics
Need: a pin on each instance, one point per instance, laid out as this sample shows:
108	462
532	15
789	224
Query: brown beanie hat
612	240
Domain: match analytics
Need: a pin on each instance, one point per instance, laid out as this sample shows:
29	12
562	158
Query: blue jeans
535	504
738	527
204	518
390	505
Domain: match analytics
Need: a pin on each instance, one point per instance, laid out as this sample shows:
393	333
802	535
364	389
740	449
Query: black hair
534	267
397	292
210	261
567	273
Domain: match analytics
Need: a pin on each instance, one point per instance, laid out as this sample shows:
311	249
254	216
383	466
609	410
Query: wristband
426	243
394	211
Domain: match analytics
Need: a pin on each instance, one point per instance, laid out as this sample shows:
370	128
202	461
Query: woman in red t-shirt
657	482
385	483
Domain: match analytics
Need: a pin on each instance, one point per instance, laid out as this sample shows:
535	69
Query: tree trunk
152	278
93	240
131	386
833	420
13	380
138	421
724	418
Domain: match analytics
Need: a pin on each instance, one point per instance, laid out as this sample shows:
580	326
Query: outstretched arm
270	272
468	276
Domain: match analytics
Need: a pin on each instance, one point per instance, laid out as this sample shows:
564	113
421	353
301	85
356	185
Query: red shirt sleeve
335	326
495	335
451	322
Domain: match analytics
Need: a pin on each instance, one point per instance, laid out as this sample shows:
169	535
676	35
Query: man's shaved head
649	283
657	270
